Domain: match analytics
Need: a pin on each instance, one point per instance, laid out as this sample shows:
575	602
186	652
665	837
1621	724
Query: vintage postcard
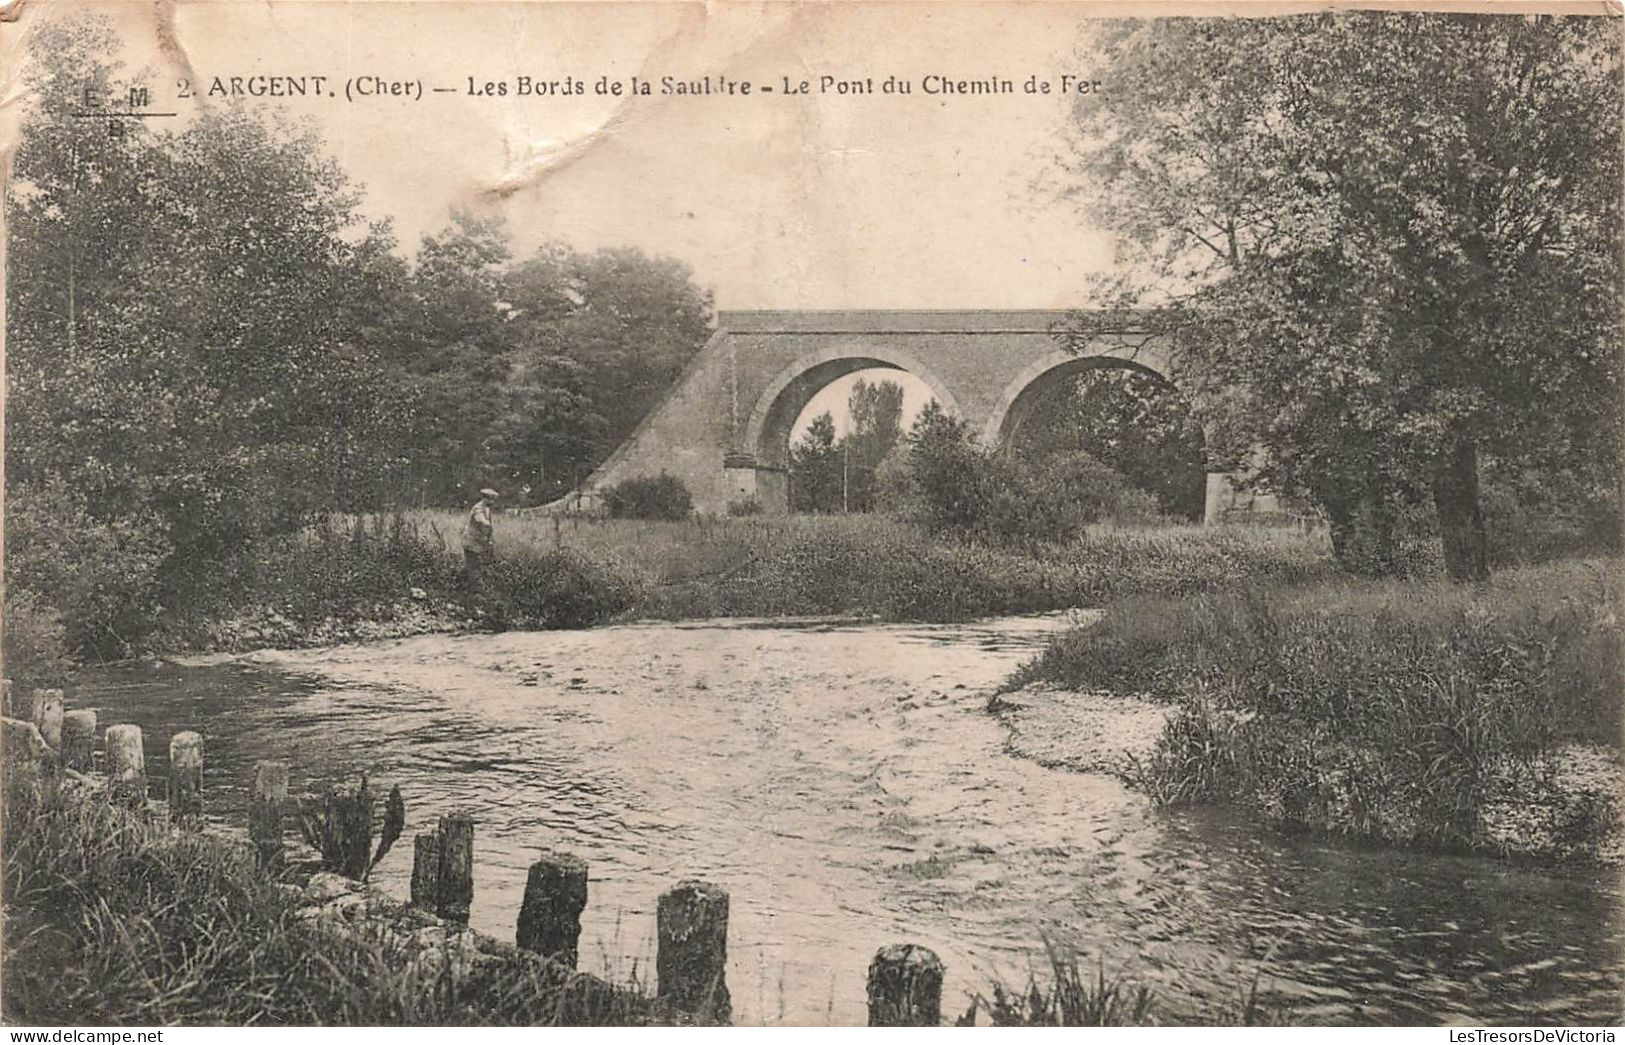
822	514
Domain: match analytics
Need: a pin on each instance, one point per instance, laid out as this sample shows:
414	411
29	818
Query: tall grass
1392	709
114	918
386	576
882	566
342	578
1067	993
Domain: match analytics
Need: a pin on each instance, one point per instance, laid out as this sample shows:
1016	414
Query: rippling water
845	785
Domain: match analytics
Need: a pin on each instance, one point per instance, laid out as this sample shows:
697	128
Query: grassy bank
389	577
1406	711
878	565
384	577
113	918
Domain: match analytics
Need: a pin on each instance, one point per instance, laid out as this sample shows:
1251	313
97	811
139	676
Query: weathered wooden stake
267	796
555	896
126	767
32	770
905	987
347	830
79	739
691	956
186	777
454	888
47	715
426	871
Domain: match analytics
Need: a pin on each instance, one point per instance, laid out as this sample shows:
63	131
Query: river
846	786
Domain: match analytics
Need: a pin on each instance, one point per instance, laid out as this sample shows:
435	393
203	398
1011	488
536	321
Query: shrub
743	507
1537	516
552	589
1381	708
35	642
101	576
338	575
961	487
649	497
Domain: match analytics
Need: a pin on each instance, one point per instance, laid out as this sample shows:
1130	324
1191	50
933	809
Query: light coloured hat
488	492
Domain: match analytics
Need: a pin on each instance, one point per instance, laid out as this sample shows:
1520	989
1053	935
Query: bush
35	642
341	579
649	497
961	487
1382	708
881	565
553	589
1537	516
101	576
744	507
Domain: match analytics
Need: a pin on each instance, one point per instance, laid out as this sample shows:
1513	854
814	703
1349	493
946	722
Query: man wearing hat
479	543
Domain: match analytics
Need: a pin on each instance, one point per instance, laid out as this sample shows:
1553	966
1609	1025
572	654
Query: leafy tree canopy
184	315
1385	247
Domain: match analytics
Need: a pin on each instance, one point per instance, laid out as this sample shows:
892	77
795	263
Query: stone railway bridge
724	429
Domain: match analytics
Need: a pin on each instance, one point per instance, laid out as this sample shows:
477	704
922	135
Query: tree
959	486
875	416
181	315
530	374
450	342
1132	422
599	339
1383	247
815	468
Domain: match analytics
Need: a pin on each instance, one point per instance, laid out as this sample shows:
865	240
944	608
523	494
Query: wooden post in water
47	715
691	958
267	796
347	830
426	871
555	896
79	739
186	777
905	987
126	767
454	886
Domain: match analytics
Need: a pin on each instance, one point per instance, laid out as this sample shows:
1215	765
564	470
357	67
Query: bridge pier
745	477
1227	499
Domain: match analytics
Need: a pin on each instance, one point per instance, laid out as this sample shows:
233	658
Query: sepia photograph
812	514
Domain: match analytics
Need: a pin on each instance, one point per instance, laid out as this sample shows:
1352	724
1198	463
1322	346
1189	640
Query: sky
821	200
832	398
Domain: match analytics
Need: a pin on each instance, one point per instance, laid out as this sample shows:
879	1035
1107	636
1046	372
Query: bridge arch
767	433
766	437
1016	402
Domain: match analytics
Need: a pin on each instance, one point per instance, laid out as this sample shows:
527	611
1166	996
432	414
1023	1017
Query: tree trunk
1362	527
1461	519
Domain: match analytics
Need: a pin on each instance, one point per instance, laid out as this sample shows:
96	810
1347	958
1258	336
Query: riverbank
118	918
114	916
1416	713
378	580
